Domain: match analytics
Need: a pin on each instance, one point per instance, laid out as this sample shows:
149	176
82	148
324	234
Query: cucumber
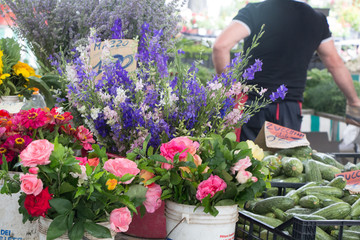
292	194
249	205
355	208
349	166
327	159
268	220
271	192
334	211
339	182
302	188
328	172
270	214
274	164
279	214
309	201
347	234
351	199
327	190
300	210
266	205
308	217
322	235
312	171
292	167
326	200
303	152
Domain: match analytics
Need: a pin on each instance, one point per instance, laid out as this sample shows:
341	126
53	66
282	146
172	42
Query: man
293	32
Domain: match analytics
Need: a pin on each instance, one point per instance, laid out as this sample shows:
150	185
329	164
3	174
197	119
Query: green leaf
175	178
57	227
231	136
80	191
61	205
131	156
84	212
126	177
97	230
158	158
225	202
66	187
125	200
150	151
137	193
77	231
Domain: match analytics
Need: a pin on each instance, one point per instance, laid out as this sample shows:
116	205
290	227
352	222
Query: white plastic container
11	226
182	223
44	224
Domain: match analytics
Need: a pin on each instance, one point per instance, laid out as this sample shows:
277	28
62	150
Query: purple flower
117	29
274	96
282	90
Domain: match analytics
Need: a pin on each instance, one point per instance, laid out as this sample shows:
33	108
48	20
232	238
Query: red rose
38	205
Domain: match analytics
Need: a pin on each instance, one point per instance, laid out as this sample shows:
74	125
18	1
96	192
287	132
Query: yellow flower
1	62
256	151
24	69
111	183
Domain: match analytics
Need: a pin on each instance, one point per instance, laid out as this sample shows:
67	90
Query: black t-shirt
293	31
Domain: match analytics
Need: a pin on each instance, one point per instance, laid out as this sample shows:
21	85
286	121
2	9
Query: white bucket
199	225
11	225
44	224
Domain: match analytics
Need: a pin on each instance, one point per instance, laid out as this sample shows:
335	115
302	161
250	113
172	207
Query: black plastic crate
300	229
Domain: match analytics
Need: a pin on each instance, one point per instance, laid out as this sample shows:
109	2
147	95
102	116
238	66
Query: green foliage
321	90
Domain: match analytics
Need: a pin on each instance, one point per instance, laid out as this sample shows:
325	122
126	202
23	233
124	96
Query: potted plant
17	78
72	195
203	181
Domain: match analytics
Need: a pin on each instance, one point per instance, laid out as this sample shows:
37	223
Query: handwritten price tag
123	50
352	180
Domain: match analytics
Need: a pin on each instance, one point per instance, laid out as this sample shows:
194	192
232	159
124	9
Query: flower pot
150	226
11	224
44	224
183	223
12	104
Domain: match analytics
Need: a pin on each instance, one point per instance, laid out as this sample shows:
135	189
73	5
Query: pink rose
181	145
37	153
34	170
242	176
121	166
120	219
210	186
30	184
153	201
241	165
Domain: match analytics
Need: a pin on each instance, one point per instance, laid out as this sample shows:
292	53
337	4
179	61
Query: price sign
352	180
123	50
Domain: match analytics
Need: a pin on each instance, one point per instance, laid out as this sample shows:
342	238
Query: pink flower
34	170
120	219
153	201
85	137
30	184
210	186
241	165
254	179
33	118
83	160
181	145
121	166
242	176
37	153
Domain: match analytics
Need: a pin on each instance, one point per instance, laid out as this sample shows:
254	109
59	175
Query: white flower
94	113
139	85
82	176
215	86
82	109
120	95
71	74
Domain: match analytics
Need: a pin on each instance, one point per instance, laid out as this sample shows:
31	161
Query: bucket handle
185	217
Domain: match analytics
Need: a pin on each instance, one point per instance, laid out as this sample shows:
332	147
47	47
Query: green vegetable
349	166
327	171
266	205
274	164
327	190
326	200
351	199
347	234
334	211
300	210
309	201
355	209
268	220
292	167
308	217
339	182
312	172
322	235
327	159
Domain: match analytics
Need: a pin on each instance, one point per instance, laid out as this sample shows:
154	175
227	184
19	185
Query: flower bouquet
201	178
18	78
161	98
76	193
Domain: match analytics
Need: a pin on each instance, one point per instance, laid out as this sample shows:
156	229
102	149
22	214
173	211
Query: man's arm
339	72
225	42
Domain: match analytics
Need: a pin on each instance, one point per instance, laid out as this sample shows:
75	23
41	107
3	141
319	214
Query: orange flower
111	183
146	175
93	162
